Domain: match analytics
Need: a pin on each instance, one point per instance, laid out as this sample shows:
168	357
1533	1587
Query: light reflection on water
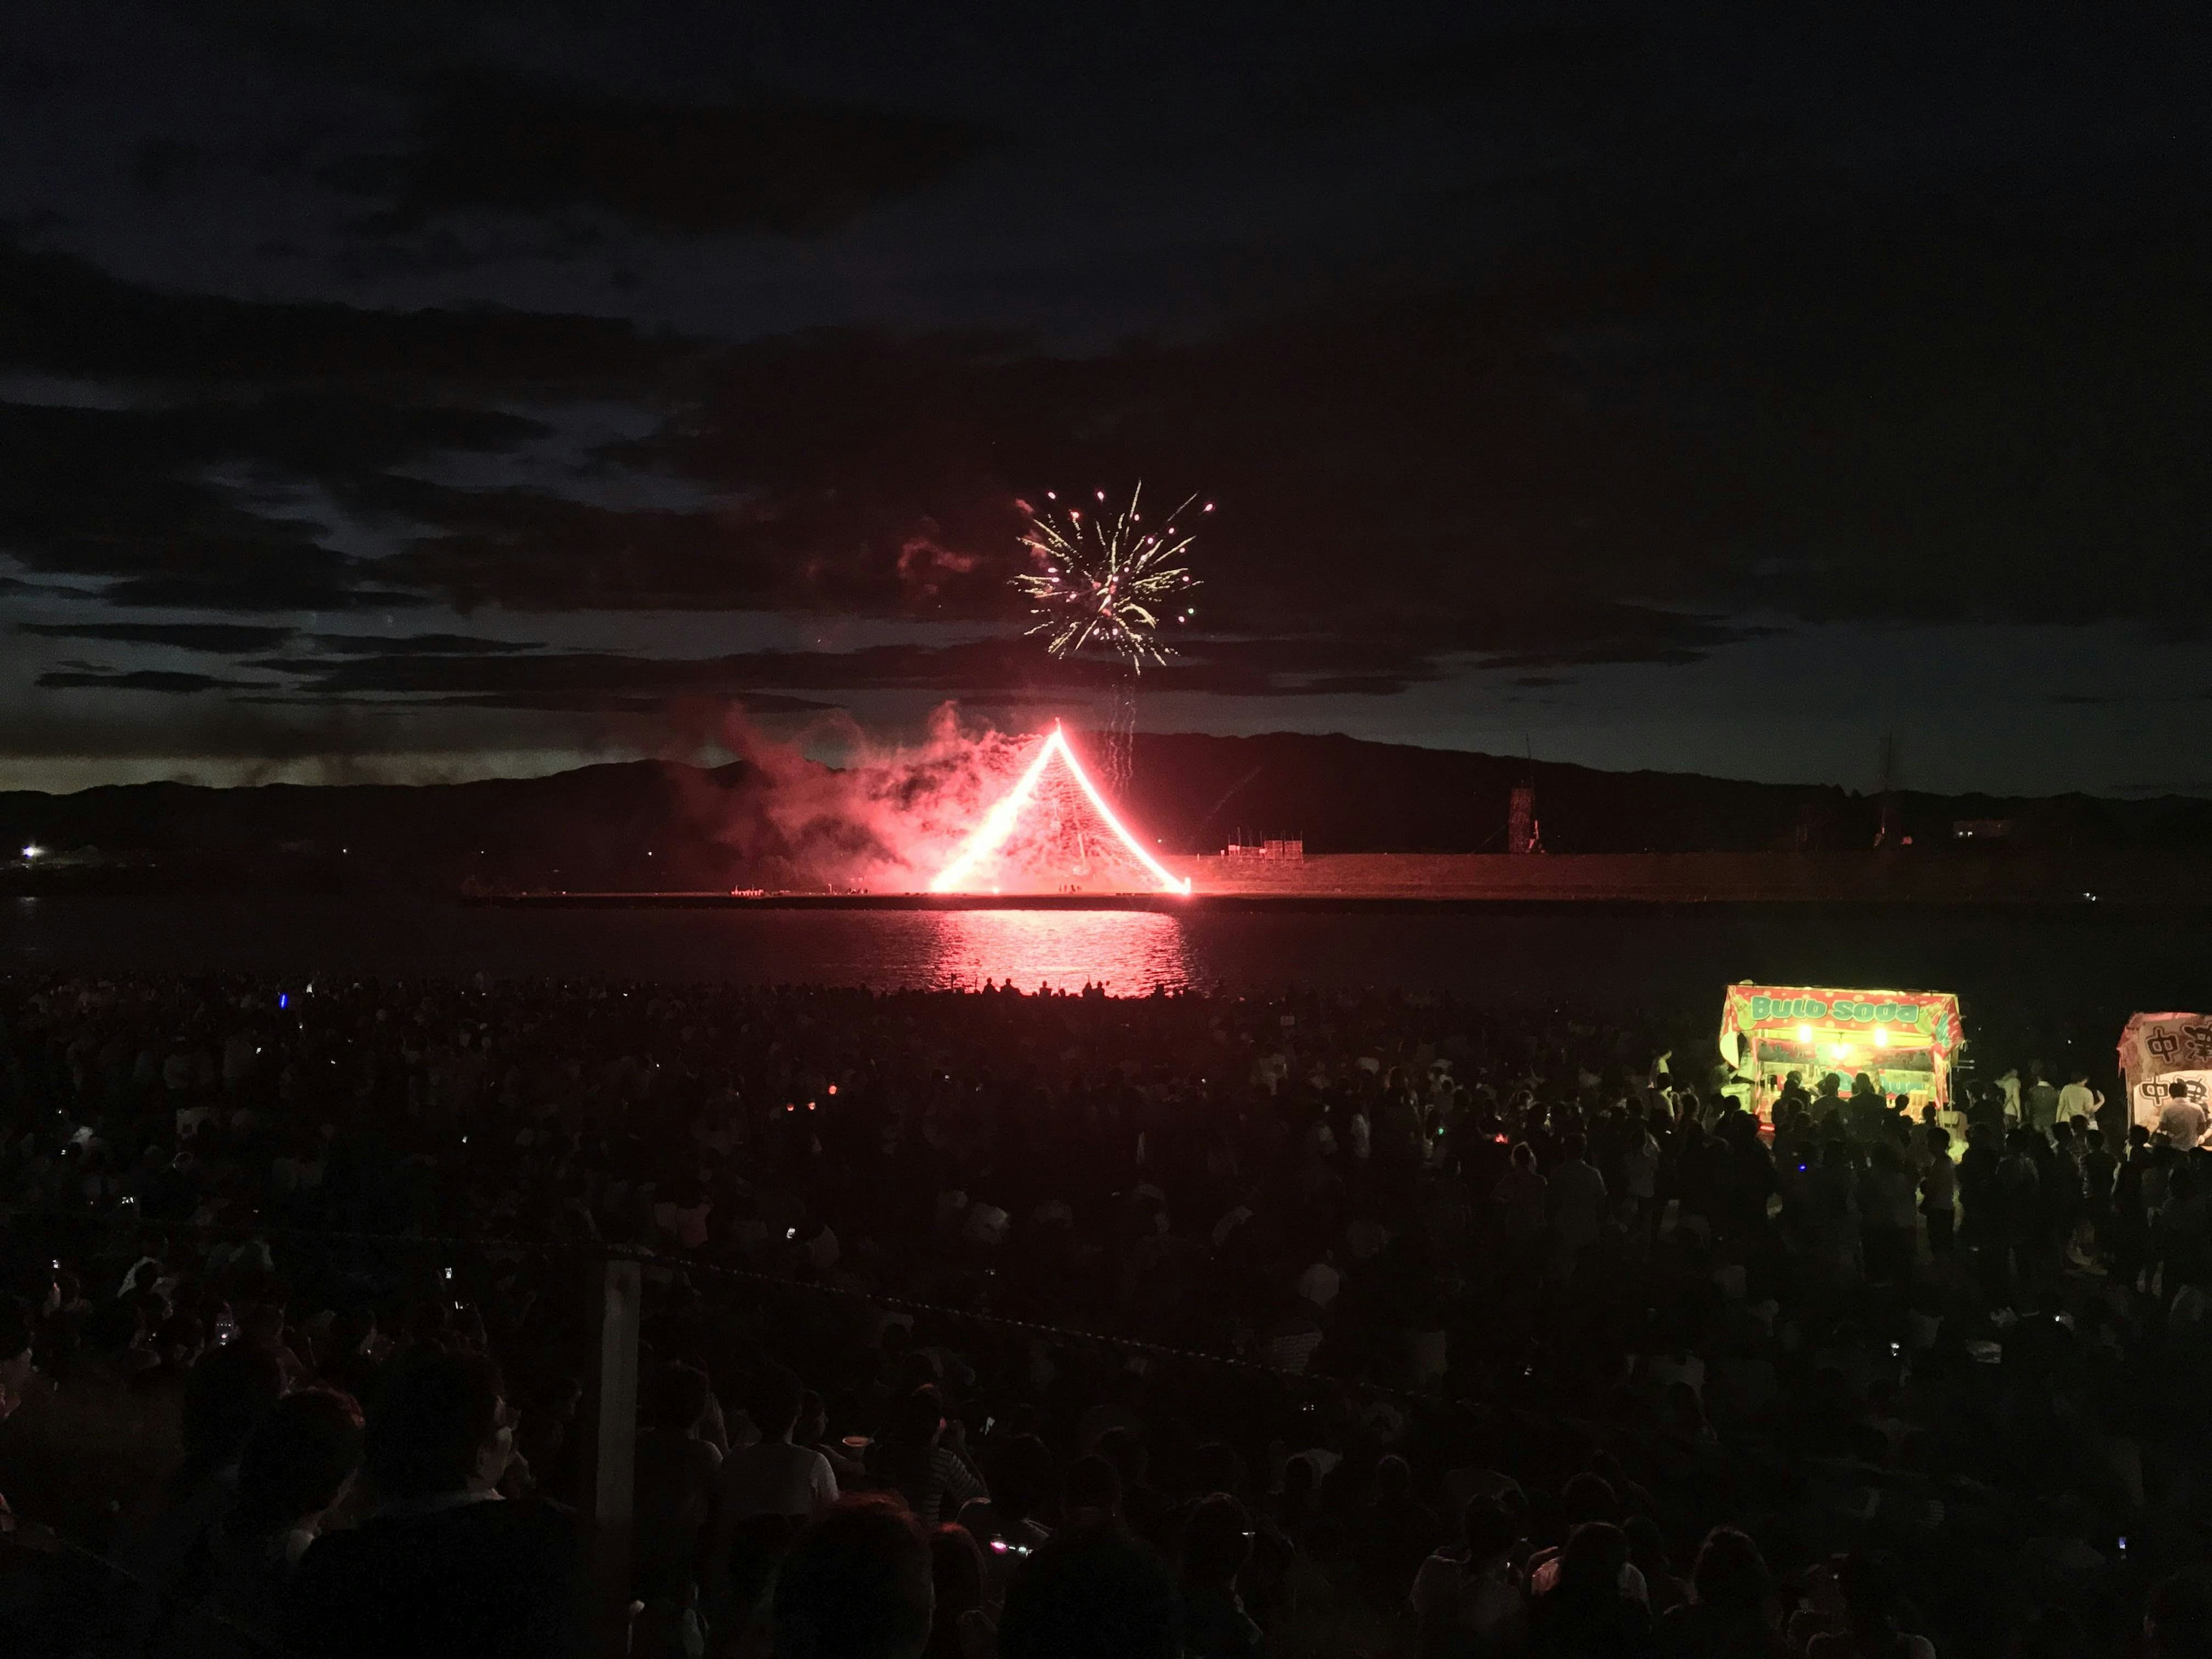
2090	969
1130	953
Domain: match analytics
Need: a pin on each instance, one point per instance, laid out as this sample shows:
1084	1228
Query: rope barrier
687	1265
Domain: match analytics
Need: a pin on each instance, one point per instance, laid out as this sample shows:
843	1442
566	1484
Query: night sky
433	389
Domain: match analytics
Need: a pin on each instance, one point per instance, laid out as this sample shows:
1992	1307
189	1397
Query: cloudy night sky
437	389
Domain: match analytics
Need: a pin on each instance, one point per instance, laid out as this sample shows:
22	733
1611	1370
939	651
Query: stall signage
1841	1009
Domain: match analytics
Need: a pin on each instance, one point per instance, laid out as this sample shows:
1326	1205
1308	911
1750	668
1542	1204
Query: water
2082	968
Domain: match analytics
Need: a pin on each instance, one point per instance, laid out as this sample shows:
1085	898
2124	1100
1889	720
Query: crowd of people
989	1323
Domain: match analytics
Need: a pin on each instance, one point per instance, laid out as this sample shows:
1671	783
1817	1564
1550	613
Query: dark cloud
391	645
771	164
140	679
1514	60
989	670
222	584
61	315
224	638
190	505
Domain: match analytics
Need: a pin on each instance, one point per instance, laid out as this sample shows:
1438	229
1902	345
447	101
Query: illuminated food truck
1905	1041
2159	1050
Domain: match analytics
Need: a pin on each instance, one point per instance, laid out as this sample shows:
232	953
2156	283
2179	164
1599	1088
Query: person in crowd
1939	1192
2182	1122
2078	1103
230	1389
924	1456
1072	1237
1468	1601
2177	1621
775	1475
1091	1593
444	1566
1217	1544
1874	1614
859	1583
1576	1192
1731	1612
2039	1102
676	1463
961	1625
1585	1613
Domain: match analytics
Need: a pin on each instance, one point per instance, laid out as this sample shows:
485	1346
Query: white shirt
774	1477
2078	1100
1319	1284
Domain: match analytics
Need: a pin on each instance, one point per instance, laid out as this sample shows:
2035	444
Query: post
611	1465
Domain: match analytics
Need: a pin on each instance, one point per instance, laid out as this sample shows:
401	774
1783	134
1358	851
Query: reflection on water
1130	953
2088	968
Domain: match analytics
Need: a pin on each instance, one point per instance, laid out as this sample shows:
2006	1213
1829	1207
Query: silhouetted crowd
987	1323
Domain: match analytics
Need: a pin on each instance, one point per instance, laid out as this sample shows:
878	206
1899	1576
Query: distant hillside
656	824
1345	796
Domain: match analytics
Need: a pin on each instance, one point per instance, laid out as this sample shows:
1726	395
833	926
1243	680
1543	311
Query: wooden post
611	1467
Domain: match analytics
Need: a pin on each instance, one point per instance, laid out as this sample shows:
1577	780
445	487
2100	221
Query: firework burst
1105	582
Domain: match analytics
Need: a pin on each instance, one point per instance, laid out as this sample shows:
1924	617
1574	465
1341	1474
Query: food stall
1906	1040
2159	1050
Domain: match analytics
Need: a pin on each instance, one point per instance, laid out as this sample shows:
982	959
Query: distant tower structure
1524	834
1888	831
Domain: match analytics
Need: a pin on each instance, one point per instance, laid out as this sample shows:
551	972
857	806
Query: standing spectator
2078	1101
2039	1103
1522	1198
1577	1194
2182	1122
1939	1186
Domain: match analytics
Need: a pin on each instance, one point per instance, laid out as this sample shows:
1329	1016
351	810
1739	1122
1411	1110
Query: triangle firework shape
998	825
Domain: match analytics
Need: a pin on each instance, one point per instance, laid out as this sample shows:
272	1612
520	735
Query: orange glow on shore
988	837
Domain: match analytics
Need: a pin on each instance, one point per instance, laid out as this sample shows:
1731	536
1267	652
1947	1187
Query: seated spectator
297	1468
1398	1531
857	1584
1730	1614
1093	1495
1586	1497
1467	1599
1216	1545
961	1625
925	1458
445	1566
230	1389
1005	1525
676	1463
1091	1593
773	1475
1586	1613
1873	1616
2177	1618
